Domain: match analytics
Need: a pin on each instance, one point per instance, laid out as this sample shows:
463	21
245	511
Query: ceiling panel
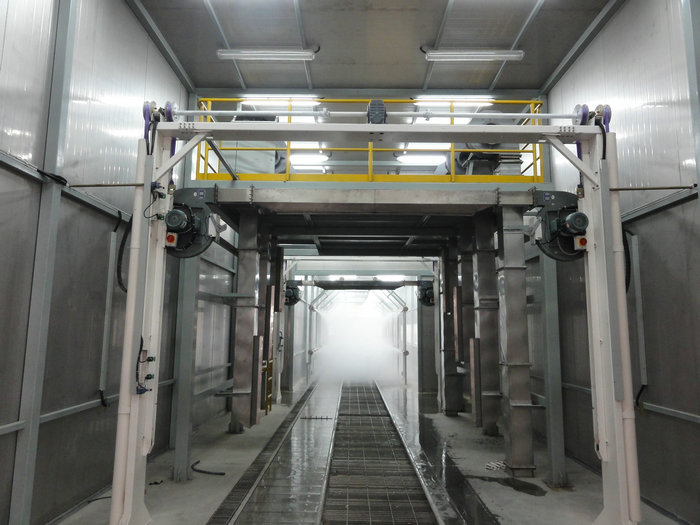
485	25
371	44
261	23
556	29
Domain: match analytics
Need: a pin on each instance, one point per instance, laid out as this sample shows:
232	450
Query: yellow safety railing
531	173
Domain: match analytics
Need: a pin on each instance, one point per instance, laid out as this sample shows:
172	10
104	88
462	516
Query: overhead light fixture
311	167
429	145
473	55
421	160
266	54
280	102
307	158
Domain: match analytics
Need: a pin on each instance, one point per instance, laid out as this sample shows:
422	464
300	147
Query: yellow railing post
207	147
452	146
533	122
288	165
370	160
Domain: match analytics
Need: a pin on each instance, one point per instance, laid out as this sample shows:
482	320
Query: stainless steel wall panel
669	255
77	311
7	459
74	460
25	73
212	347
116	67
637	65
19	200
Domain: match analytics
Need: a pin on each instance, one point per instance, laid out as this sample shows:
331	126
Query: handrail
375	158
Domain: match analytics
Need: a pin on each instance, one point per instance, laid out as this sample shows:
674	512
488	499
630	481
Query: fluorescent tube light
279	103
421	160
304	144
429	145
308	158
318	168
474	55
266	54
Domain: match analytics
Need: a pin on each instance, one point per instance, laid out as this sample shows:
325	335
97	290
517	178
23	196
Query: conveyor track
371	478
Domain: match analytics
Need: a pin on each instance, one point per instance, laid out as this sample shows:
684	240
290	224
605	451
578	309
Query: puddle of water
449	476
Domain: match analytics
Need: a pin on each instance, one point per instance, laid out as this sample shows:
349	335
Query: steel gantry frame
604	261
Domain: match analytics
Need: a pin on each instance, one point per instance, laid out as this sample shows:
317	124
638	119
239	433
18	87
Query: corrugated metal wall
25	77
115	68
638	66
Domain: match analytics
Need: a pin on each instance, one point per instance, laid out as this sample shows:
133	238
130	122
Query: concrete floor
454	446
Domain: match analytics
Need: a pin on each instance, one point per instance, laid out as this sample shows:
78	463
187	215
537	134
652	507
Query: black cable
628	260
152	126
57	178
120	256
140	385
154	198
201	471
103	401
639	394
119	221
605	141
97	499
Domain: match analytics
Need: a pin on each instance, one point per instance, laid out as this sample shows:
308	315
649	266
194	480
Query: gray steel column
246	354
35	355
486	380
454	402
516	403
289	327
43	273
465	308
264	311
183	393
552	375
427	374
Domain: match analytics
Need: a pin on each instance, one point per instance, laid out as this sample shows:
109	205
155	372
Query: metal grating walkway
371	480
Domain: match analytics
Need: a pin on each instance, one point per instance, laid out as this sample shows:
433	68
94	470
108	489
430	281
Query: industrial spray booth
184	221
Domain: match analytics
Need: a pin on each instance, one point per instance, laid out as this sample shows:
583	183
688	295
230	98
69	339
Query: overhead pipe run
326	113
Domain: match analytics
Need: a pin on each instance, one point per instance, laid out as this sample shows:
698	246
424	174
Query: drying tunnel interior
359	334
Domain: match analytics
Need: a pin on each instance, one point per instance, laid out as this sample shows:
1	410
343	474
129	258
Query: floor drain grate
496	465
371	477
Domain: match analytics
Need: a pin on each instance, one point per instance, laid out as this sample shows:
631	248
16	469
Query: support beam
485	326
265	308
581	44
427	375
43	274
552	375
35	356
247	358
516	403
466	306
454	403
181	414
161	43
611	376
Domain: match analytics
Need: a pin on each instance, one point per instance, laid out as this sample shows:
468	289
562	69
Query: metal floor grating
372	480
246	484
